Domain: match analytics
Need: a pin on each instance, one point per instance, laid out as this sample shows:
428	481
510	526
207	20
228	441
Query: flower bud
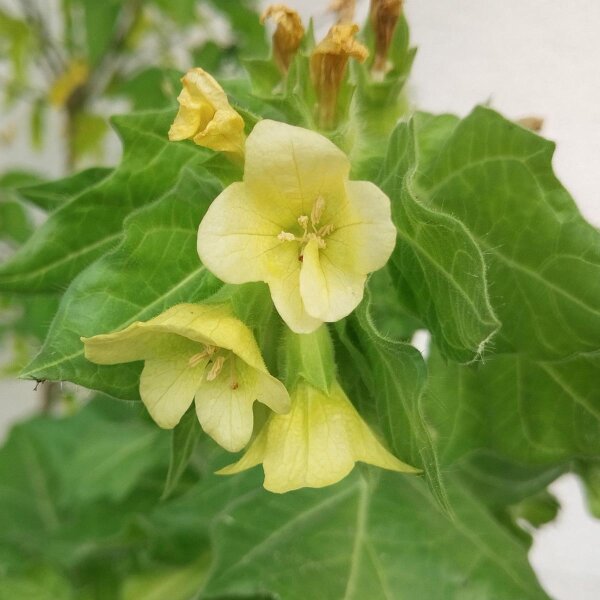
384	18
288	34
205	115
344	9
328	66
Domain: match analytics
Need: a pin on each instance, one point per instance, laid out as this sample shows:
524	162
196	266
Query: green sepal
309	357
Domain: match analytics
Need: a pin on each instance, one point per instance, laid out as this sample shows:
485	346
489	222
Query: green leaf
91	222
155	267
379	537
88	132
183	442
398	385
438	267
152	88
115	457
533	412
543	258
537	510
38	584
15	224
101	25
500	483
50	195
172	583
590	475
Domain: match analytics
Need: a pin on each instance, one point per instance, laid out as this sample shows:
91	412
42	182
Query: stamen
198	358
317	211
325	230
284	236
216	368
303	222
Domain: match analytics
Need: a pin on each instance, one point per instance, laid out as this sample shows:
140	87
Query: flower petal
329	293
252	457
167	388
316	444
224	406
288	167
365	235
285	292
140	341
193	116
224	133
236	242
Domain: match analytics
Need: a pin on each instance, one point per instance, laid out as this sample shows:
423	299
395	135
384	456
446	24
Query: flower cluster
297	222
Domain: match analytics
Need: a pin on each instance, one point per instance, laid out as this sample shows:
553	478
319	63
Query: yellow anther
285	236
317	210
303	222
216	368
198	358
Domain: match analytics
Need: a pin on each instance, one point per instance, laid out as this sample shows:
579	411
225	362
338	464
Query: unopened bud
384	18
344	9
328	66
287	36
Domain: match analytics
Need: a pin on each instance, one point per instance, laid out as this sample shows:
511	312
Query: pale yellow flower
205	115
196	352
316	444
287	36
297	223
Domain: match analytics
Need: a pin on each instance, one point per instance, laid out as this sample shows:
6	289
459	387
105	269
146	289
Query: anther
216	368
284	236
198	358
317	210
303	222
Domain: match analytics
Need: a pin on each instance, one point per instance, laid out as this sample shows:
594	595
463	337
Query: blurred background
523	57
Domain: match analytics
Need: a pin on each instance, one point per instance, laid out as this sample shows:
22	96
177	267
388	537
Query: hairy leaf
529	411
154	268
90	223
378	537
543	258
50	195
437	265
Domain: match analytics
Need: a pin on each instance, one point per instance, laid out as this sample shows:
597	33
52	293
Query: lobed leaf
377	537
155	267
438	267
543	258
532	412
90	224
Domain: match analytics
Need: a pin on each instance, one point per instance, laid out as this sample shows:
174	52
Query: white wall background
525	57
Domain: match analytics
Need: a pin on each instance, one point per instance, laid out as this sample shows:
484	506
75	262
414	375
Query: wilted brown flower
288	33
344	9
328	66
384	18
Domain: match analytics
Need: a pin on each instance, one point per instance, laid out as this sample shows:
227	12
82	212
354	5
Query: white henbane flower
297	223
316	444
199	352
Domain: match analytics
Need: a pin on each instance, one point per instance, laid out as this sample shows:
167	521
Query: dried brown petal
328	66
287	36
384	18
